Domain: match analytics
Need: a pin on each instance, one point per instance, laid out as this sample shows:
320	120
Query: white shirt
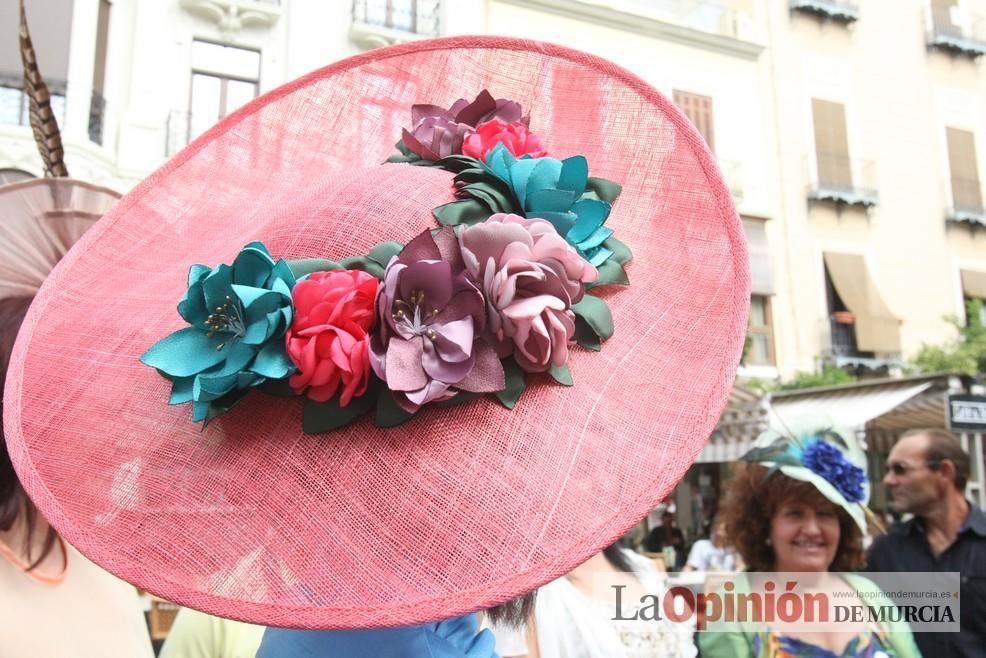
571	625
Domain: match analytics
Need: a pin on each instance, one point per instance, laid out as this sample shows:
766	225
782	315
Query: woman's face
804	536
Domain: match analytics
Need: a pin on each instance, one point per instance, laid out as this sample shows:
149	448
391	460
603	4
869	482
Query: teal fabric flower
555	190
238	315
559	191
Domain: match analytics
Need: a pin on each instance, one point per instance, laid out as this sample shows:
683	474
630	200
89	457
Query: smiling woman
796	504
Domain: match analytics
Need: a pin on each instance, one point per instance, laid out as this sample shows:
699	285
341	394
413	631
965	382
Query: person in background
797	505
54	602
713	554
195	634
573	616
927	471
664	535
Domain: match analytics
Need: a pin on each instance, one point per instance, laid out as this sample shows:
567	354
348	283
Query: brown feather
43	123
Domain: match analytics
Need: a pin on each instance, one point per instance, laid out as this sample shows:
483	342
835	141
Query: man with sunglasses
927	471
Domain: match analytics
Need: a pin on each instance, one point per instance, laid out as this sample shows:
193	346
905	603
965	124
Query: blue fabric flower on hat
826	460
555	190
238	315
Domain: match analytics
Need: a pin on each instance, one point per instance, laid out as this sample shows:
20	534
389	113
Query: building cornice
645	25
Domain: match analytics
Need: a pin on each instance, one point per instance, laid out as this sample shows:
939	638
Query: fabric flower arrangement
495	295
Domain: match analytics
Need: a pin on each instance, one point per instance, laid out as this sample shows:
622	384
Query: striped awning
743	420
850	406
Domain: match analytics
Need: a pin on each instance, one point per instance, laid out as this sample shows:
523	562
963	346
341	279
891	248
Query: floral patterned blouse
774	645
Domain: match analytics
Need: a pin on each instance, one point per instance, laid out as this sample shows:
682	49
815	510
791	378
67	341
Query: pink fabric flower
531	277
515	136
329	340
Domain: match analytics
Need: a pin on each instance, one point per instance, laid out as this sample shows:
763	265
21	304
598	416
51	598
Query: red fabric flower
515	135
329	341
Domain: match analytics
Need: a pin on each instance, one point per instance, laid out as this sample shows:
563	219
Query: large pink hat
460	508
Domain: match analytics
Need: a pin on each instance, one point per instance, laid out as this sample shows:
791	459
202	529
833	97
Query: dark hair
515	613
752	499
13	500
943	445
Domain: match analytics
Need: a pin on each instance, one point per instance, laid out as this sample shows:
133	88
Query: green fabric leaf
516	383
388	414
216	408
457	163
404	159
466	211
326	416
610	273
460	398
280	387
364	263
585	336
597	315
604	189
561	375
621	252
305	266
383	252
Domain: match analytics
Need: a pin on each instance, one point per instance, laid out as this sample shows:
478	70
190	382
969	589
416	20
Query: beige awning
974	284
761	274
877	330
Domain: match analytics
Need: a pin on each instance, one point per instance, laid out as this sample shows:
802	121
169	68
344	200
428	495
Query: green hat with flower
828	457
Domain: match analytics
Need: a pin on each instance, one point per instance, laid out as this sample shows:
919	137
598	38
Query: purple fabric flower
826	460
531	277
429	344
437	132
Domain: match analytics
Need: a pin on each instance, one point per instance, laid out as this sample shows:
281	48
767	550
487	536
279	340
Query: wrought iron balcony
956	30
14	102
384	22
966	196
837	10
842	180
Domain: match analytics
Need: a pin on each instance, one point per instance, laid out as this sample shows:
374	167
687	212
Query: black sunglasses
900	468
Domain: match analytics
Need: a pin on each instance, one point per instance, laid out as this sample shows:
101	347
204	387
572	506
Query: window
698	109
831	144
414	16
224	78
964	172
761	348
974	287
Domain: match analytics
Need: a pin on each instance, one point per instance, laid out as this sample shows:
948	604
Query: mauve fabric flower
429	345
437	132
515	136
329	341
531	278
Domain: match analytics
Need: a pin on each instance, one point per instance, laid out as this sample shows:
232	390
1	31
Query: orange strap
15	559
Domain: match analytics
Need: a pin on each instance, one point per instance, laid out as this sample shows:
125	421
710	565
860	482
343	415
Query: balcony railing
837	10
14	102
966	196
383	22
956	30
843	180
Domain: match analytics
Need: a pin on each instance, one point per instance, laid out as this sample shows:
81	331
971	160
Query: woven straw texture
459	509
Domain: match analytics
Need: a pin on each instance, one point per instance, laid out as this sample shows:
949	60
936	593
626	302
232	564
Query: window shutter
831	144
699	110
966	192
